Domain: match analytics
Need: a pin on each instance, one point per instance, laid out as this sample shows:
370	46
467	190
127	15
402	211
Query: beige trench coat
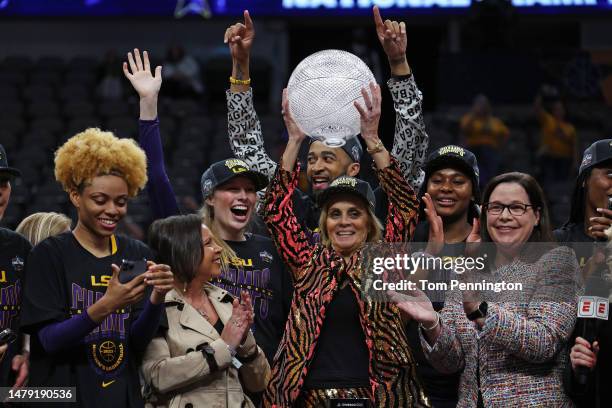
179	376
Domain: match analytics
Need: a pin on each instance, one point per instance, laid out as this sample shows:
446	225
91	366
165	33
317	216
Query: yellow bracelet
235	81
378	147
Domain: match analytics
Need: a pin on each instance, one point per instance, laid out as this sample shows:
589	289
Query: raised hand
417	306
294	131
240	37
392	37
247	312
473	239
237	327
296	136
436	227
370	114
144	82
369	117
472	299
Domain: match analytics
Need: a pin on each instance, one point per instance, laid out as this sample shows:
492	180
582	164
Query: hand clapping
237	327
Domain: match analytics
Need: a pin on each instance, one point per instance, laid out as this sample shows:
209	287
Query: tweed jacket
178	374
518	354
317	269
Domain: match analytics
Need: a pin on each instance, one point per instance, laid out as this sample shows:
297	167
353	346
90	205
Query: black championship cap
4	167
349	185
455	157
352	147
597	153
225	170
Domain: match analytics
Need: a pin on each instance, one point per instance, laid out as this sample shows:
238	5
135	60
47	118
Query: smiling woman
515	211
85	325
205	355
336	342
508	343
229	193
326	340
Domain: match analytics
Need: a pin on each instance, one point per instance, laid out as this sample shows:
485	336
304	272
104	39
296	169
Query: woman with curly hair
86	324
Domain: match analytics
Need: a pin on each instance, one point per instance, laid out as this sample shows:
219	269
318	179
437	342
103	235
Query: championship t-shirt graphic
63	280
260	271
106	344
10	294
14	250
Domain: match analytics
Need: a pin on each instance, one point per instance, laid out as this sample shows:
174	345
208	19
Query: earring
185	288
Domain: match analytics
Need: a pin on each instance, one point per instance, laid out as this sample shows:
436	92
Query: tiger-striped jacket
316	271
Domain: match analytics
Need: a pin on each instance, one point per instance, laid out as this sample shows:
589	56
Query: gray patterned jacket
409	144
518	354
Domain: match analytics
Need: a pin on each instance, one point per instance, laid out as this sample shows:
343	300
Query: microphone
591	310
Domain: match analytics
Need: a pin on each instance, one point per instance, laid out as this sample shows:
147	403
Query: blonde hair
41	225
228	255
375	227
93	153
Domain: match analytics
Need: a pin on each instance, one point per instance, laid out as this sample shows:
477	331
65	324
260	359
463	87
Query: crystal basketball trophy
321	92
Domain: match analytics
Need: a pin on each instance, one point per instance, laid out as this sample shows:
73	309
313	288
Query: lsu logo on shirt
242	262
100	280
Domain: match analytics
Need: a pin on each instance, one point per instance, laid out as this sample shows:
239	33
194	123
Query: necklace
202	313
201	309
191	302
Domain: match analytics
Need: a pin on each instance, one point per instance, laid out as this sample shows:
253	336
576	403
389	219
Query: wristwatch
478	313
209	354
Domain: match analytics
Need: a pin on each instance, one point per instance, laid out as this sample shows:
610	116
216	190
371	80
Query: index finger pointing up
247	20
377	18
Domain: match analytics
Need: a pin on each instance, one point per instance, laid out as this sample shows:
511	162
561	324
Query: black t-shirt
63	279
14	251
421	232
341	358
441	388
261	271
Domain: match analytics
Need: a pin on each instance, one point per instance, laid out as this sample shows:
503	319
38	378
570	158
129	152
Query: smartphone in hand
131	269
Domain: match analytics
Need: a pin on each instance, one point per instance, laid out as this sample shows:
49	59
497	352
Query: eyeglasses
516	209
